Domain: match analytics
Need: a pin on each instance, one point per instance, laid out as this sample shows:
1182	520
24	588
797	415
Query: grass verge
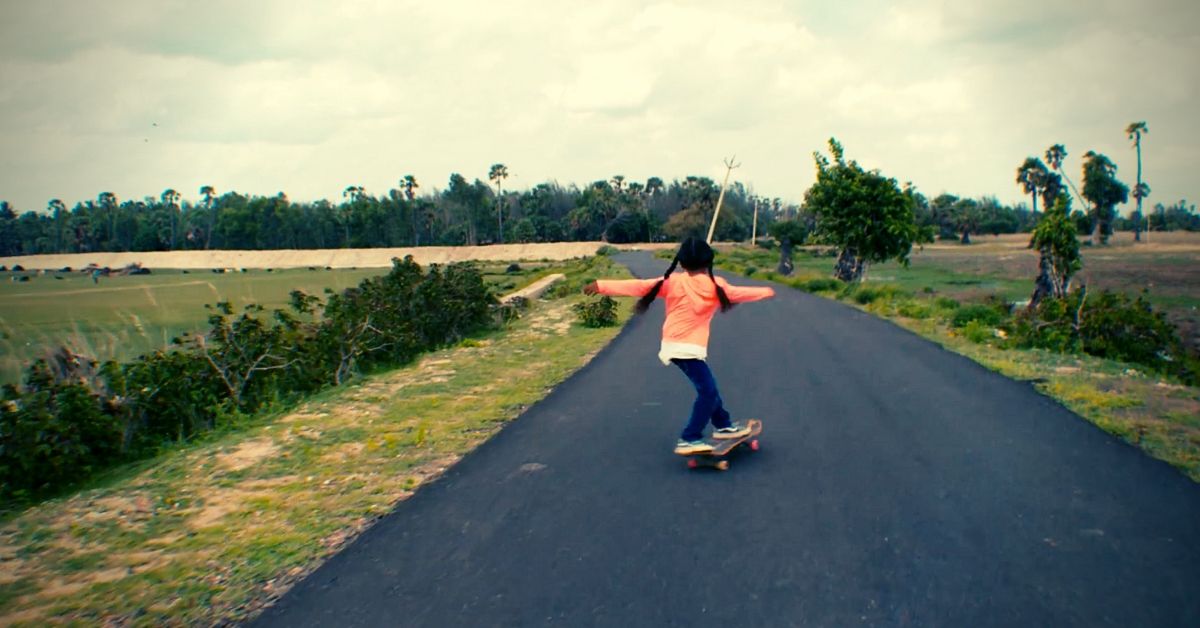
215	531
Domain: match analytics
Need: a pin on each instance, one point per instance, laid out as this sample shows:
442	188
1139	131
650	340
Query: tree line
464	213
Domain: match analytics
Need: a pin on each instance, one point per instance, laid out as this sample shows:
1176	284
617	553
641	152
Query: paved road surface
898	485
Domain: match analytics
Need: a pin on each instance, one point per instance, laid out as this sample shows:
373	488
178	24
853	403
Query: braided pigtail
726	305
643	303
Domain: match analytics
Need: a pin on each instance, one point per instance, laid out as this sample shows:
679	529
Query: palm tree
108	201
654	185
209	193
1054	157
409	183
1135	131
352	194
618	182
1031	176
497	174
170	197
58	210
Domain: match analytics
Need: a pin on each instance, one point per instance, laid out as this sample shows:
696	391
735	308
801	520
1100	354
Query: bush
981	313
53	434
69	421
1109	325
978	332
822	285
607	251
749	271
913	309
865	295
600	312
513	268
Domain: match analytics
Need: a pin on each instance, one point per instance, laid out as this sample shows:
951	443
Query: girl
692	299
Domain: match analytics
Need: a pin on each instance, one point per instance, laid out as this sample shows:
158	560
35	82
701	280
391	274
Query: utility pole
754	229
729	166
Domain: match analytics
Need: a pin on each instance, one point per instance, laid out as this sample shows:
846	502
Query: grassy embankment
217	529
1156	413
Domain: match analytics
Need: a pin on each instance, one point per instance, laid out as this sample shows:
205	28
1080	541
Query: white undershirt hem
682	351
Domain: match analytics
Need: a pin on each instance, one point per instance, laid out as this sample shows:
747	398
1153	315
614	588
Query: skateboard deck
722	448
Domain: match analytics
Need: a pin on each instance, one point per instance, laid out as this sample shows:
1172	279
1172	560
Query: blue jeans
708	405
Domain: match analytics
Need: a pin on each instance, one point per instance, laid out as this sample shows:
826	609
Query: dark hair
694	254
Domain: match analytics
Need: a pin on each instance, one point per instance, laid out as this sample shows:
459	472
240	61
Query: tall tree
352	194
108	202
58	213
409	185
863	213
170	198
1058	252
497	174
1031	176
1054	157
1135	131
1104	191
210	194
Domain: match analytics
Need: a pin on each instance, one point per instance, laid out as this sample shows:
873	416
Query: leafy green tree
1101	187
967	217
863	213
788	233
1058	252
1135	131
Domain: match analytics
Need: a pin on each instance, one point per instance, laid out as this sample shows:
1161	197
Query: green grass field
124	317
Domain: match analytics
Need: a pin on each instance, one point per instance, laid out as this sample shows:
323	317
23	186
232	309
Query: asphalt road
898	484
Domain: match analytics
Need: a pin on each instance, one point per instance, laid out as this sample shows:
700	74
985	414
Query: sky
307	97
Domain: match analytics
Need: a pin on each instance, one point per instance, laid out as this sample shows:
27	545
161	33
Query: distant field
123	317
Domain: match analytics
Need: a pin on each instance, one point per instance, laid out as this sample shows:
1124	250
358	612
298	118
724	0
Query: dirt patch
344	452
219	503
247	454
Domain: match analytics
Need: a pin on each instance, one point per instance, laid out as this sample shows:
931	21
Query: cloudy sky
307	97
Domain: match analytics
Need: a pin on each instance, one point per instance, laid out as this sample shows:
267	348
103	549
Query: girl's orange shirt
691	302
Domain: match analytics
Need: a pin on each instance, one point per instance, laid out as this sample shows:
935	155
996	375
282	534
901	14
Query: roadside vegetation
1118	361
215	528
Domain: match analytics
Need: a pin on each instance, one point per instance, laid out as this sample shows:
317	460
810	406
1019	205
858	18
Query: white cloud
308	97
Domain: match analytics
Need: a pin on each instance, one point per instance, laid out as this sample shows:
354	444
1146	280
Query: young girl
692	299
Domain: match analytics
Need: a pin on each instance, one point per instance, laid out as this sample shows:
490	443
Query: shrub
513	268
600	312
1109	325
822	285
982	313
913	309
750	270
607	251
69	421
52	434
978	332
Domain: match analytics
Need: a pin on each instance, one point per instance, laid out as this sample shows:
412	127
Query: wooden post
729	166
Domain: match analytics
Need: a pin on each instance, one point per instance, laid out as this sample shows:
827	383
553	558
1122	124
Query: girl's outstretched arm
622	287
744	294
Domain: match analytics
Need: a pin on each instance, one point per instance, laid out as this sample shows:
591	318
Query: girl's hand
591	289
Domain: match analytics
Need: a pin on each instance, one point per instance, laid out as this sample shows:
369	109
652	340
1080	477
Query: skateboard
719	456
